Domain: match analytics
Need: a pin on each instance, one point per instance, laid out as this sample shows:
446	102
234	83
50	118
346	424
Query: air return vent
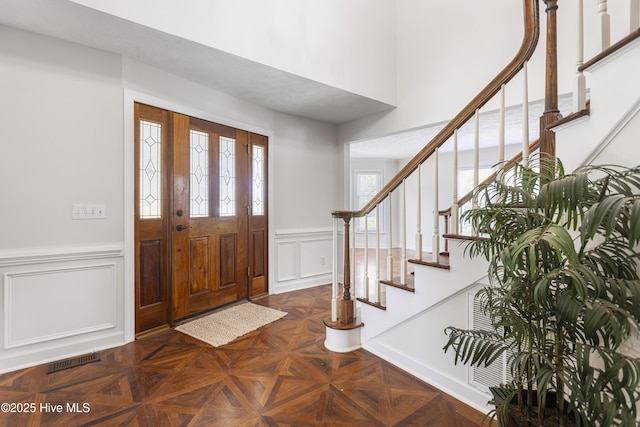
72	362
496	373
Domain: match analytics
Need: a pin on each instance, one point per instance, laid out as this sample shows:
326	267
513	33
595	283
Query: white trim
26	256
304	232
613	133
296	285
610	58
129	98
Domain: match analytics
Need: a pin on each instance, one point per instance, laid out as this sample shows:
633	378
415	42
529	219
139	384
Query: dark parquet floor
280	375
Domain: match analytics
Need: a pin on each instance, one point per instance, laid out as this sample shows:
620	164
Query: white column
390	242
455	218
334	278
605	24
435	251
579	81
525	117
419	226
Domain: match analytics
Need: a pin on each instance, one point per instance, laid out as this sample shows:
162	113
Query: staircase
400	315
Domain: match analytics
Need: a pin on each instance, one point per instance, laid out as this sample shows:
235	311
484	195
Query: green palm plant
564	294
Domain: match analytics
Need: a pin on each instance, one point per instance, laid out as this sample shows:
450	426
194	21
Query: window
150	170
366	185
465	184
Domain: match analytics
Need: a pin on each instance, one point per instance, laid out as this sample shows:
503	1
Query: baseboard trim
442	381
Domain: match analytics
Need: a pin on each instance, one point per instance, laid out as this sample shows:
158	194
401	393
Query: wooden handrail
528	46
507	165
609	51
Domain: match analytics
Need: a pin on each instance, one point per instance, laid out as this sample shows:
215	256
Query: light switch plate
84	211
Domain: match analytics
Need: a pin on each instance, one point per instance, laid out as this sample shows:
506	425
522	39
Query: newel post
551	113
346	303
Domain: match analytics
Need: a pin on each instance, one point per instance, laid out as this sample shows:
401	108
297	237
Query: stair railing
343	305
343	302
605	34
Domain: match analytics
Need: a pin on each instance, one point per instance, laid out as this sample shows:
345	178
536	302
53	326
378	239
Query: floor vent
73	362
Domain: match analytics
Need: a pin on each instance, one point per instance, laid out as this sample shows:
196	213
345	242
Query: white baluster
525	117
366	257
390	242
419	230
352	249
476	165
435	251
634	15
454	206
579	82
605	24
476	156
334	278
377	278
403	259
501	129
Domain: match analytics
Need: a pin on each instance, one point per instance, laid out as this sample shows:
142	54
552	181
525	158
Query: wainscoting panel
287	254
304	259
315	257
46	305
60	302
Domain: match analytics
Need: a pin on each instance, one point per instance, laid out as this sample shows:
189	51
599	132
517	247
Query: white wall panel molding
304	258
58	302
316	256
26	256
50	304
287	251
303	232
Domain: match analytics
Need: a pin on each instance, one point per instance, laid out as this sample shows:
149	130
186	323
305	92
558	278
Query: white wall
438	50
443	50
312	39
61	133
61	143
66	132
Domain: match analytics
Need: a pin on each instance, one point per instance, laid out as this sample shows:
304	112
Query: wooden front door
210	199
152	239
209	249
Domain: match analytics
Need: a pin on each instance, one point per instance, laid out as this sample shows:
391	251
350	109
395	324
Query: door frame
130	98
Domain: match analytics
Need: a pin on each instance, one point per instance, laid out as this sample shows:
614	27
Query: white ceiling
231	74
406	144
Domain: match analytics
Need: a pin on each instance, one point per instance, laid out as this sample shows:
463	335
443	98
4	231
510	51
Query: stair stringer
432	286
415	346
614	99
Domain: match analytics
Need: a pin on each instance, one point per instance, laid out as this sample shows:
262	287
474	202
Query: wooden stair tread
463	237
431	263
410	287
372	303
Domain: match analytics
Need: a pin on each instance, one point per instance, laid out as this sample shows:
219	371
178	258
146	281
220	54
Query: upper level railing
369	276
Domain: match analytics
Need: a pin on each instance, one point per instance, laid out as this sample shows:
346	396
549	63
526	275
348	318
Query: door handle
181	227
